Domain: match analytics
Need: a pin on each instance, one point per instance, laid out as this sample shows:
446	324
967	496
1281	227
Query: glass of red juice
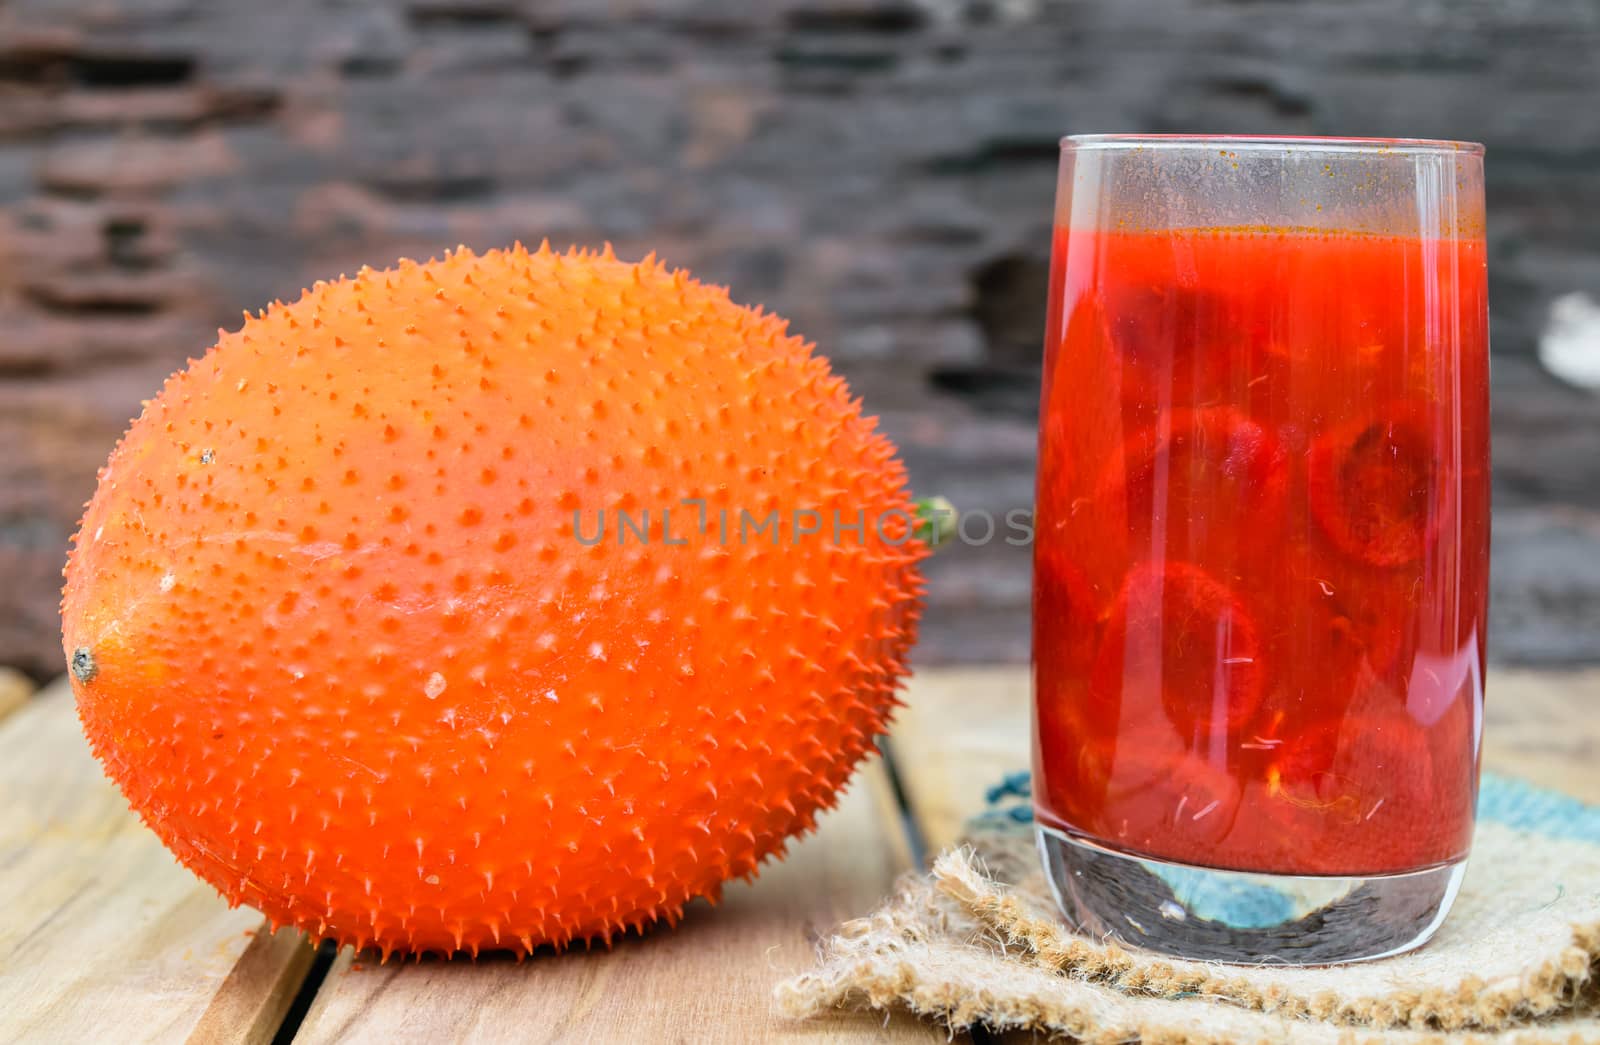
1261	549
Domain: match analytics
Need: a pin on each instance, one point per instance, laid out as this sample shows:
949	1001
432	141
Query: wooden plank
710	979
960	732
1545	727
249	1007
963	730
156	955
105	936
15	689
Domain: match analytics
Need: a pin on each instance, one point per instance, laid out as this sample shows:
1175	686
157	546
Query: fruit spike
332	633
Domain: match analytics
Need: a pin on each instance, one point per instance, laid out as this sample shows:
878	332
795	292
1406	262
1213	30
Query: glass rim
1261	142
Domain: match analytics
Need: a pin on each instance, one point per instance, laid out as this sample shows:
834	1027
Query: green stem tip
936	521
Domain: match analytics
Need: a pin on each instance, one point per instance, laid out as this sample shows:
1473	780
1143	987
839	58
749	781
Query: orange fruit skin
333	633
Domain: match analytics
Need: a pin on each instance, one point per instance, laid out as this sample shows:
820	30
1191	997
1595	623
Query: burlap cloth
978	941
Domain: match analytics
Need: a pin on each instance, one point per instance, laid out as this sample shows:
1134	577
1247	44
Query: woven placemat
978	941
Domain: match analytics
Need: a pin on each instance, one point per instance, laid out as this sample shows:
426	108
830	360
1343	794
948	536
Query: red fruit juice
1261	558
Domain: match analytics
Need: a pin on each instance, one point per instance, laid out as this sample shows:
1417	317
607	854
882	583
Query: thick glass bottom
1244	917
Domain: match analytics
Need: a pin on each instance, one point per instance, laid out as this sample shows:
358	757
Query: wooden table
104	937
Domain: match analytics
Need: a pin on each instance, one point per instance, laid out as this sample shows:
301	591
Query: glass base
1244	917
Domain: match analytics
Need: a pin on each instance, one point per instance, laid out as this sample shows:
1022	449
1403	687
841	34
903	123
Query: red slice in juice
1081	431
1267	452
1070	775
1082	418
1177	344
1165	803
1368	612
1340	631
1179	635
1204	473
1064	625
1373	487
1141	787
1361	795
1453	744
1064	615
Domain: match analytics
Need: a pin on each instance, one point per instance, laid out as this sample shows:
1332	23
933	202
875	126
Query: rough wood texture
708	980
104	936
878	170
1543	727
961	731
15	689
965	729
250	1005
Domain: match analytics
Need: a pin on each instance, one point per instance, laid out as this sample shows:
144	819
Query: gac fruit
340	626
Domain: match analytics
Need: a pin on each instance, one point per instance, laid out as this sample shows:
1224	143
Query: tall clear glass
1261	558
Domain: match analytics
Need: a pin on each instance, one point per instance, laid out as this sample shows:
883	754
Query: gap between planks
108	937
105	936
708	980
155	954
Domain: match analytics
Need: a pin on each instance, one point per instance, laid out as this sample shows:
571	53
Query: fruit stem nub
83	666
936	521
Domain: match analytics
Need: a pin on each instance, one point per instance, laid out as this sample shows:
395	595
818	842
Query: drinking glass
1261	558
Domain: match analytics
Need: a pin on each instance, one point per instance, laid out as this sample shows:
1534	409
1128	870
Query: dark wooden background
881	171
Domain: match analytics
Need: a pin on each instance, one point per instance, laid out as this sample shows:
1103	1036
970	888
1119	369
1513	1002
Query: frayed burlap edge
1553	985
966	949
920	951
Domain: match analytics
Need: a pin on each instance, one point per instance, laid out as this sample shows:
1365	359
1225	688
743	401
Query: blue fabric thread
1515	803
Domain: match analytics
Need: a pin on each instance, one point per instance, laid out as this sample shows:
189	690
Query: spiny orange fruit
340	629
